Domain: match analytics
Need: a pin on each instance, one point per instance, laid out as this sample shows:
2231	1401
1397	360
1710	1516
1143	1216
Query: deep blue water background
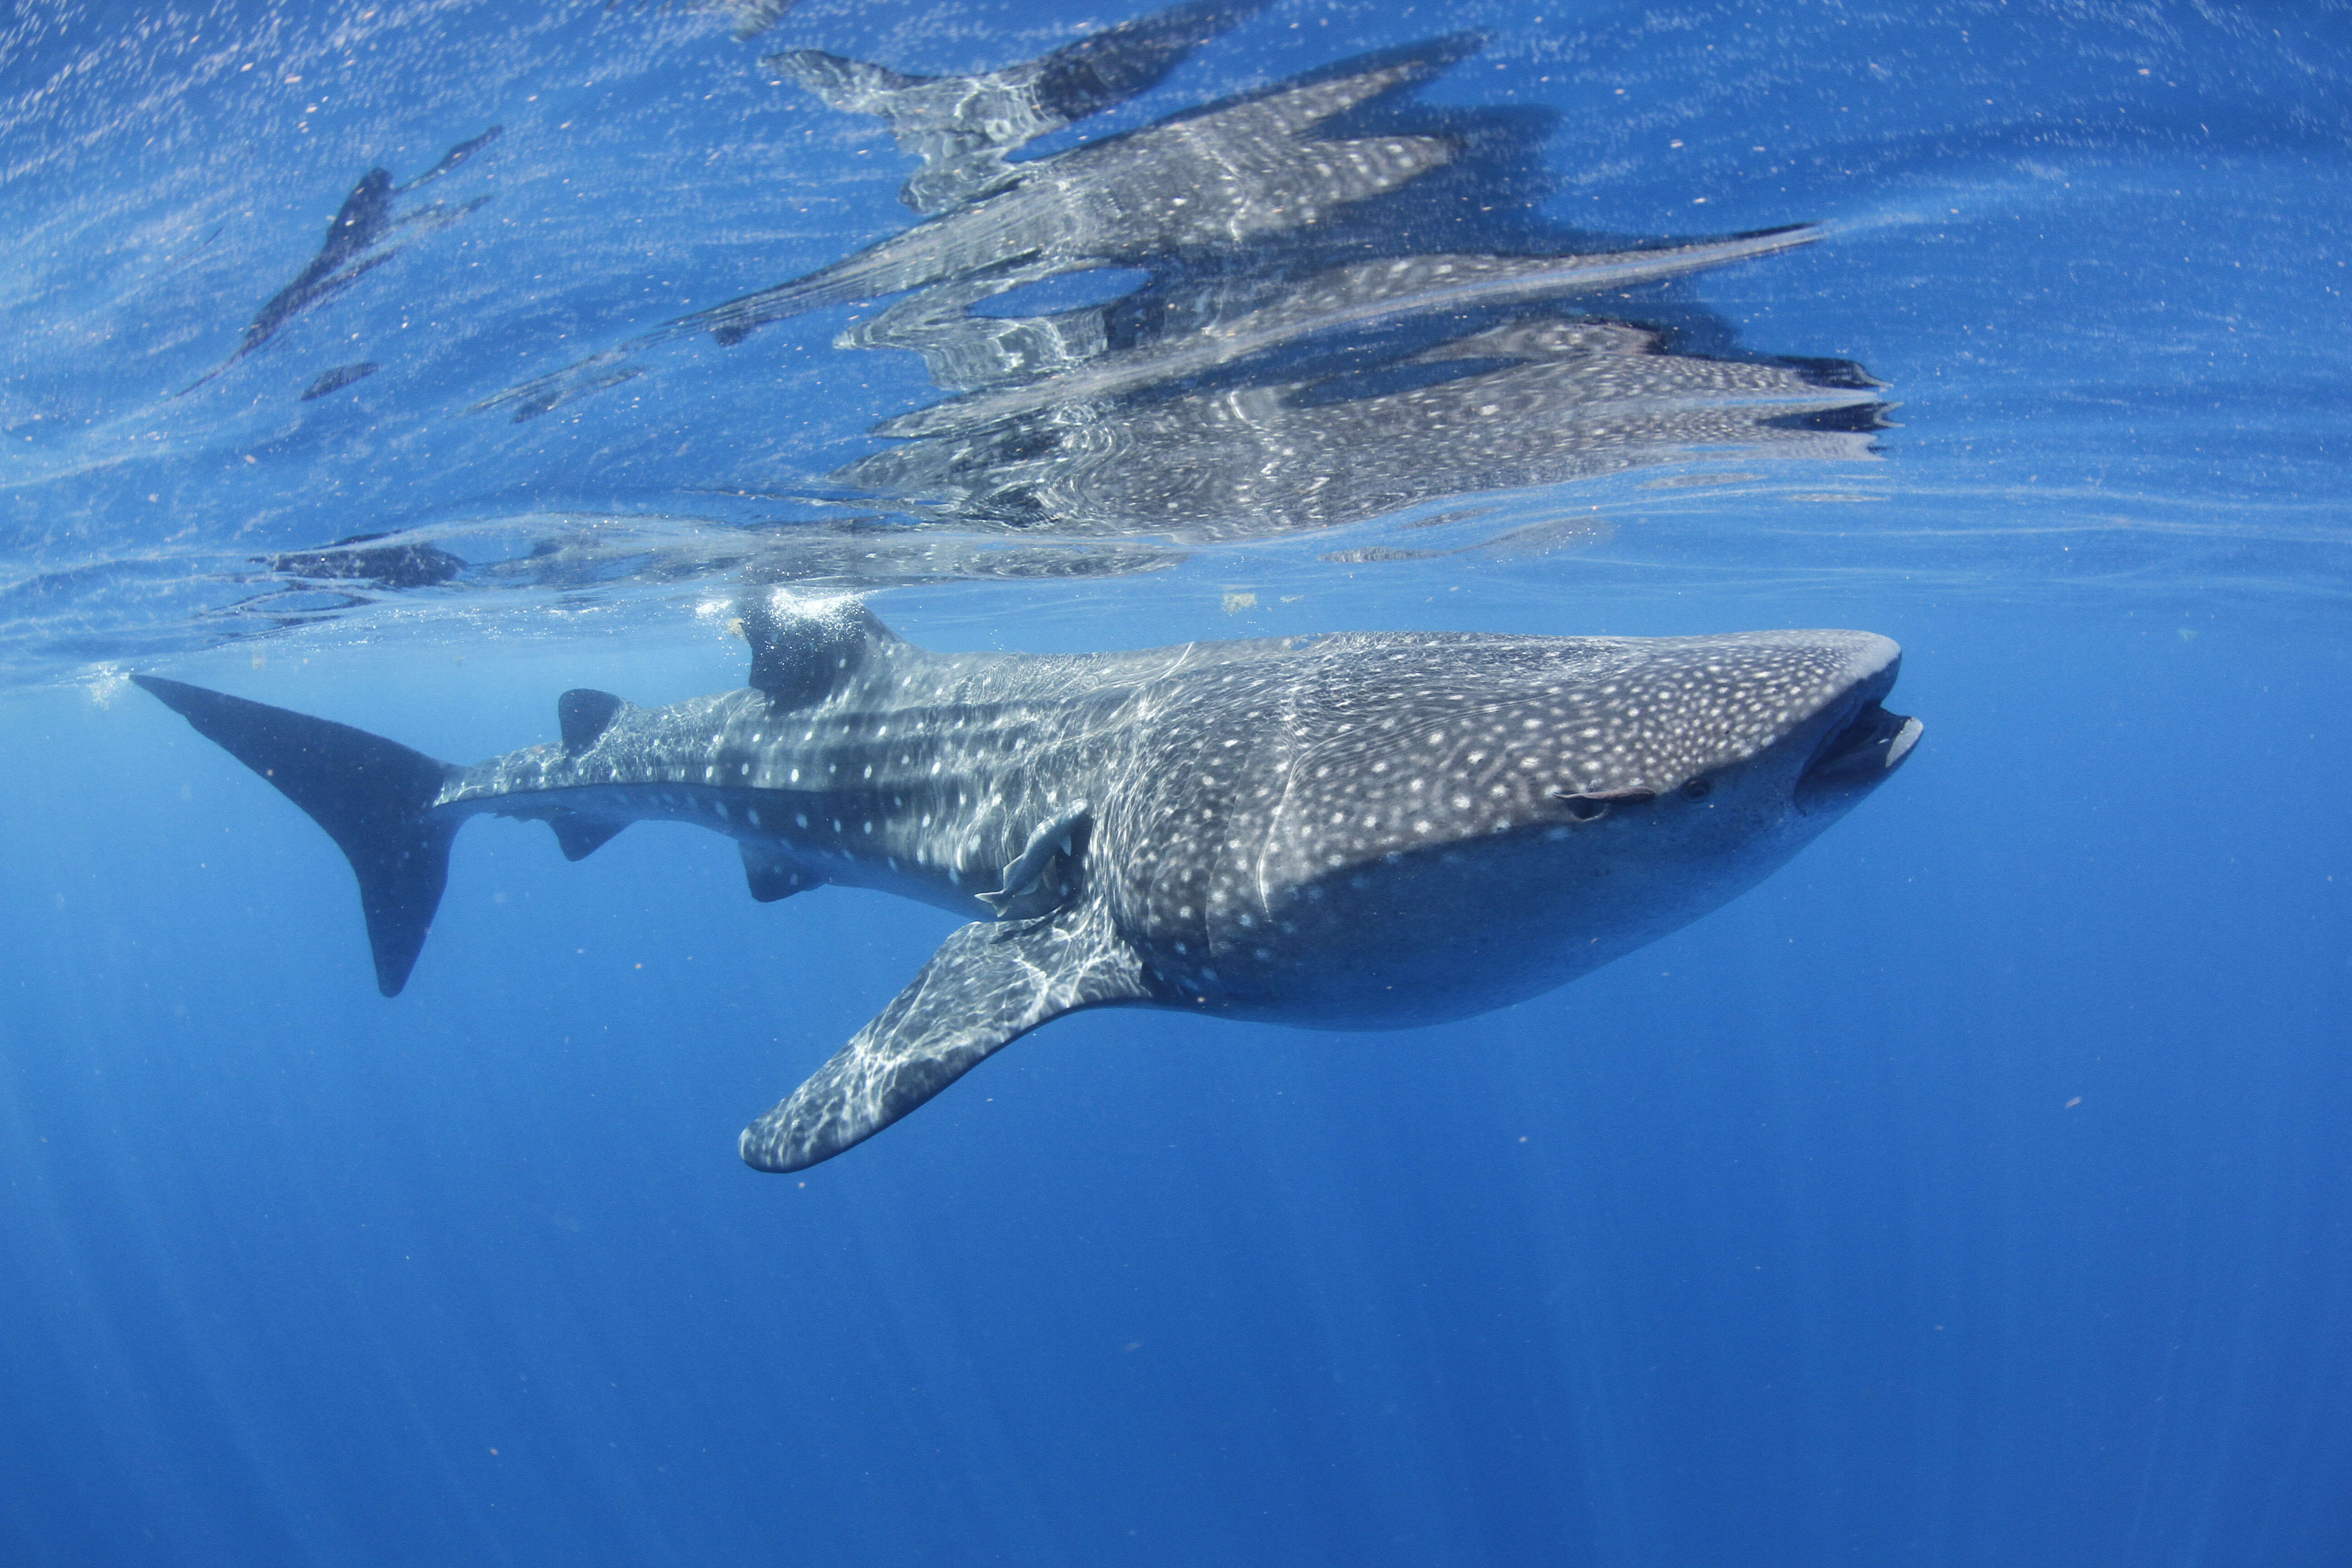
1976	1191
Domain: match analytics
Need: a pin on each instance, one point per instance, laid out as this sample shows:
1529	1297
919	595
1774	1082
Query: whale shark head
1462	820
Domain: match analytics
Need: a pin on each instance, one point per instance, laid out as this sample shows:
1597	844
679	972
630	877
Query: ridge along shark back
1350	832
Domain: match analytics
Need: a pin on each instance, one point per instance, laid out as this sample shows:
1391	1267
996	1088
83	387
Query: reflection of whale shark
1230	176
1227	176
1349	832
1221	326
1336	304
1534	402
1337	372
355	248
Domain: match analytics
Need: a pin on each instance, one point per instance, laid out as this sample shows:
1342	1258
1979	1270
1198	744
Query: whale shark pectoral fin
1040	875
775	875
987	986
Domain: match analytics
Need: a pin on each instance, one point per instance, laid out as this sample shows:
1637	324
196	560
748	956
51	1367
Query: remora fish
1348	832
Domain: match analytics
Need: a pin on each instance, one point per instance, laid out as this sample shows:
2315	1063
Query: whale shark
1353	831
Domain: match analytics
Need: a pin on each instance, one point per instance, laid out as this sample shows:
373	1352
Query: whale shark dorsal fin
583	715
801	649
775	875
580	836
986	986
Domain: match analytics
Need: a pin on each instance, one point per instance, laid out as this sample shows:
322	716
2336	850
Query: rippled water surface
1974	1190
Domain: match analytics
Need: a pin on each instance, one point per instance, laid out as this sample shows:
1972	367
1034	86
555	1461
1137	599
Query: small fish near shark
1358	831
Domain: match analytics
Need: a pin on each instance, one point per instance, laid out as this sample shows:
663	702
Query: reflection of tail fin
453	157
373	796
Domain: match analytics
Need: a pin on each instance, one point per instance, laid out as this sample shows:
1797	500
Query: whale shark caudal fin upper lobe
371	794
987	986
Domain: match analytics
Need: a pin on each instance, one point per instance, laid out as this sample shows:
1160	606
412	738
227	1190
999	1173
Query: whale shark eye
1697	789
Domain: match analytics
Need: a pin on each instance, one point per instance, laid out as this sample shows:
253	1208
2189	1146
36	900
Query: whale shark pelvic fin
775	875
986	986
371	794
580	837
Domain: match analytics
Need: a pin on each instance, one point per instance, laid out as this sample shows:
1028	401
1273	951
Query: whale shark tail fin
987	986
373	796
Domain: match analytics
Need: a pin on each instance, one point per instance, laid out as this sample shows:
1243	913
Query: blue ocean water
1976	1190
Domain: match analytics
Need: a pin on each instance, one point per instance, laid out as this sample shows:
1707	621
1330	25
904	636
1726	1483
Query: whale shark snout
1865	743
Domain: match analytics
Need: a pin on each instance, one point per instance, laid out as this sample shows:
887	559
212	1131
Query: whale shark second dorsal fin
801	650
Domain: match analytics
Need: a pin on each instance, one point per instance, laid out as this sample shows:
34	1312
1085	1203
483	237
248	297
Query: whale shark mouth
1859	755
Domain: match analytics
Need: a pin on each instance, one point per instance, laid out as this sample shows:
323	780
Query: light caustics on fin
1213	827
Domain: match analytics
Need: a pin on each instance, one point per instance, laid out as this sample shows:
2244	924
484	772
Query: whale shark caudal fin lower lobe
987	986
371	794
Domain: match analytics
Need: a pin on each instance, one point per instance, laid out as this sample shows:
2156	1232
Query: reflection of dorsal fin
584	715
800	652
963	127
775	875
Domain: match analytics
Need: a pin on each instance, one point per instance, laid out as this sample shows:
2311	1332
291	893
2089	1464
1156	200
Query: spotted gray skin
1347	832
